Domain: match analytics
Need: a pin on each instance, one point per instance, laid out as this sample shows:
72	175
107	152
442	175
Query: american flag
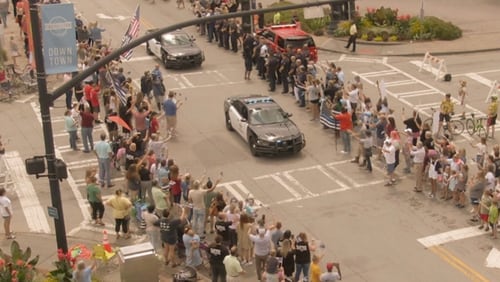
120	92
131	34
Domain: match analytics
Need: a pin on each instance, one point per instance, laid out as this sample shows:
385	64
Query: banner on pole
59	38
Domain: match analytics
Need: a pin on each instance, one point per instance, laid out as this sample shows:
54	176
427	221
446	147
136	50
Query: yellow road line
452	260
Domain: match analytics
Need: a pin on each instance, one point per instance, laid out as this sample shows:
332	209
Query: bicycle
24	77
457	125
475	125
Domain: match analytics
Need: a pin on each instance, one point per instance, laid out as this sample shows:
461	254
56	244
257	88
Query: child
445	182
493	219
452	183
482	151
484	208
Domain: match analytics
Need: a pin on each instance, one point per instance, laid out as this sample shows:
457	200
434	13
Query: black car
263	125
175	49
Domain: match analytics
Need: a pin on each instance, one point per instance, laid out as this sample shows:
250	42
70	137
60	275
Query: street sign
53	212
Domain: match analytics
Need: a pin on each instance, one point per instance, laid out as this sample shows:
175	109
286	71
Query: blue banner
58	38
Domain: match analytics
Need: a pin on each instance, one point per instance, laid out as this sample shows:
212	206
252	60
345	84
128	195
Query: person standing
216	254
160	199
315	268
87	126
94	197
353	34
492	117
6	212
271	67
168	233
272	268
170	107
330	275
418	154
147	85
446	110
233	266
191	241
4	11
104	155
302	256
121	212
249	44
462	93
152	230
157	86
284	70
389	152
196	196
71	127
262	248
83	273
345	121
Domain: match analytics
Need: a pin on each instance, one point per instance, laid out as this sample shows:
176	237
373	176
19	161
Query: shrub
17	266
316	26
393	38
378	38
385	36
441	29
364	36
370	35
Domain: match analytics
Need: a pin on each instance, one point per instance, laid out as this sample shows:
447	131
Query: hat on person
329	266
448	95
262	231
494	97
408	130
388	141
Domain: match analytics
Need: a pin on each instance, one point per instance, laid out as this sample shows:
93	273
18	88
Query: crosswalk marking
400	83
416	93
378	73
293	180
71	182
481	79
32	209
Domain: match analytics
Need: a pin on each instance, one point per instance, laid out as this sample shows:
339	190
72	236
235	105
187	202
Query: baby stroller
187	274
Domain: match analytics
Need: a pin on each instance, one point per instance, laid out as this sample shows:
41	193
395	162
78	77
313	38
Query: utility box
138	263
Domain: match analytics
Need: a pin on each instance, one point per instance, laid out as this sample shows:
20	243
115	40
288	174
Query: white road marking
400	83
25	100
81	182
450	236
493	258
246	192
106	17
228	186
481	79
140	59
293	180
70	180
416	93
280	181
186	81
378	73
32	209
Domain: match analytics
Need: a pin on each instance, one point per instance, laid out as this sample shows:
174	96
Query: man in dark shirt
222	229
216	253
284	70
168	234
414	123
272	67
87	128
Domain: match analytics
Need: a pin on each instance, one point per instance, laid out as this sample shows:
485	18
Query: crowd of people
428	151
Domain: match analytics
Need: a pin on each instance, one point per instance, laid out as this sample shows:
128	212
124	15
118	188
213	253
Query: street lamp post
45	101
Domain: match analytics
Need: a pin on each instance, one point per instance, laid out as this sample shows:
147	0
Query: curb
444	53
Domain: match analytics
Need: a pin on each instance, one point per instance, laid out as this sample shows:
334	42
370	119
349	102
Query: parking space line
350	180
416	93
280	181
340	183
28	199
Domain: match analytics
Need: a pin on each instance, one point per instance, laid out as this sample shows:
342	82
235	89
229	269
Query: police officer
272	67
283	71
216	253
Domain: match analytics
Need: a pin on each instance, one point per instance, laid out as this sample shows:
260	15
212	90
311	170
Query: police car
175	49
263	124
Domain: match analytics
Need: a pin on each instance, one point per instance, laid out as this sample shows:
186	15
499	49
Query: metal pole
45	101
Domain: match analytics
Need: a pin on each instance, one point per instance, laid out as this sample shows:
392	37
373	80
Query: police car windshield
267	116
177	39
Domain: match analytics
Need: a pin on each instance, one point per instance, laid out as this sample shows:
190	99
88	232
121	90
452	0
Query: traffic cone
105	242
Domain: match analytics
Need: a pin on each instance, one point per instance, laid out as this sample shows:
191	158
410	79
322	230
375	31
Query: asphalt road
371	229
